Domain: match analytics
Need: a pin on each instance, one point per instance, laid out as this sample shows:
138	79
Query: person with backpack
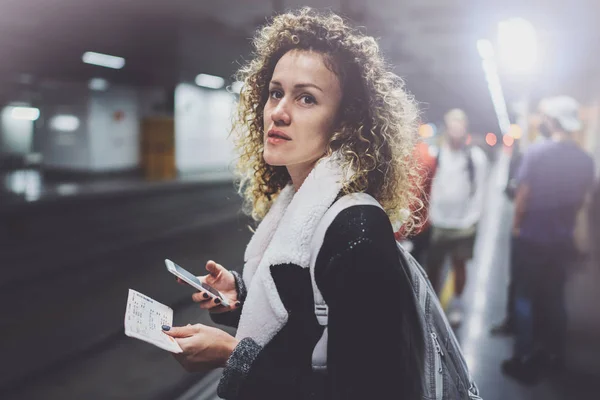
595	222
327	305
554	180
456	205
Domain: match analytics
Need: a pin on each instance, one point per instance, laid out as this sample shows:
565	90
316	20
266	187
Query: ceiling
431	43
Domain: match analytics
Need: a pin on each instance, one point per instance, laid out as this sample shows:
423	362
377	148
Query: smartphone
191	280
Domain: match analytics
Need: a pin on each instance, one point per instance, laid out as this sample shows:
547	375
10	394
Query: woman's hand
221	279
204	347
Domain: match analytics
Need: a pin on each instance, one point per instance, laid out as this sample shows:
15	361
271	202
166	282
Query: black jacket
375	346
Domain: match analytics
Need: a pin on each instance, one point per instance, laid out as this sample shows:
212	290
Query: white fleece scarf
283	237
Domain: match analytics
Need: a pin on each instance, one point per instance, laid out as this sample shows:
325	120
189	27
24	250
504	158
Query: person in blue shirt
554	179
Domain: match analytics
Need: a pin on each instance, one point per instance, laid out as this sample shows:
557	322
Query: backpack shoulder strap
471	169
319	356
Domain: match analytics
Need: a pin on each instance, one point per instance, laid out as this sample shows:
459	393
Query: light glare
496	93
515	131
98	84
485	49
103	60
491	139
210	81
517	40
64	123
25	113
426	131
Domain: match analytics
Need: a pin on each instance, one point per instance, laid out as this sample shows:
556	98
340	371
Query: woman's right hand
221	279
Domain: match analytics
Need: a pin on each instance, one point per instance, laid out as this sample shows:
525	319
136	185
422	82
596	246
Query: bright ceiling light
25	113
485	49
210	81
517	40
103	60
64	123
98	84
236	87
496	93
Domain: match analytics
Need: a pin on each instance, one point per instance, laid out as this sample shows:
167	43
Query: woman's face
300	113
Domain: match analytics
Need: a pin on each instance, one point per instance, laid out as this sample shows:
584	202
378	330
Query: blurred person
320	116
595	220
553	181
507	326
456	205
420	238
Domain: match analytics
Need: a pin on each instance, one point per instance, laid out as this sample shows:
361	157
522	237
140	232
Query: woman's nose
280	114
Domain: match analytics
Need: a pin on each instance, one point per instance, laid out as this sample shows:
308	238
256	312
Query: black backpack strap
471	169
319	355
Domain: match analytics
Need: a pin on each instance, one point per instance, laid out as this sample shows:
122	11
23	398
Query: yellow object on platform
448	289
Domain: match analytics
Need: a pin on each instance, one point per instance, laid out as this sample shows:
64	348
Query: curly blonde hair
377	125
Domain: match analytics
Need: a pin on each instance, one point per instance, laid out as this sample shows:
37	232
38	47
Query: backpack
445	374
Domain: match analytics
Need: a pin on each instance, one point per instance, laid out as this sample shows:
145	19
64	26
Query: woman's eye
308	99
276	94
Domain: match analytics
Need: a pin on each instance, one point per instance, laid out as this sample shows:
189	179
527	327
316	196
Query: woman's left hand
204	347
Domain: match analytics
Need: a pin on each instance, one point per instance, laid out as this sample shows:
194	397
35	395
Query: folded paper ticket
144	318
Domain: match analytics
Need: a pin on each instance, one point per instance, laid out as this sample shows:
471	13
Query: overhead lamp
64	123
98	84
25	113
517	40
210	81
103	60
488	63
485	49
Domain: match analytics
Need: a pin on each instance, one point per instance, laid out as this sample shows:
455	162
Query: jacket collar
283	237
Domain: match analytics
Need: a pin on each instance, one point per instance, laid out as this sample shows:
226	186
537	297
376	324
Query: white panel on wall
113	126
15	134
64	149
202	125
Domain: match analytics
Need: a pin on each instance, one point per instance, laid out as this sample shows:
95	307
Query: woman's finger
218	309
200	297
209	305
214	269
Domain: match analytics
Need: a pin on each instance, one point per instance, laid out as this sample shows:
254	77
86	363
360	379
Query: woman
320	116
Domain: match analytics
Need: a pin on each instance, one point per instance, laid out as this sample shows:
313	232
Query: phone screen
197	281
